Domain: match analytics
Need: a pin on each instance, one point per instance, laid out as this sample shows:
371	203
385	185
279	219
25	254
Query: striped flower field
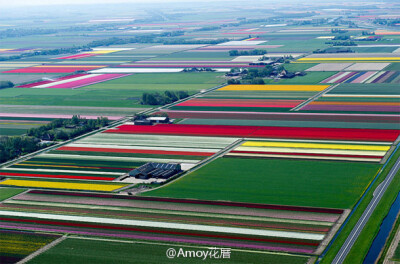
94	52
306	150
387	135
105	157
359	98
65	185
251	98
74	81
16	245
239	225
50	68
365	77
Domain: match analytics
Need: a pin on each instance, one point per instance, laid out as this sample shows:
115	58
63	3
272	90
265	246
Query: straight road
351	239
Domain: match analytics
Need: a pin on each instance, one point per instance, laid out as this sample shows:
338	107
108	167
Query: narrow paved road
351	239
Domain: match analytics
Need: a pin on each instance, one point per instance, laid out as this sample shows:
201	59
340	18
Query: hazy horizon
6	3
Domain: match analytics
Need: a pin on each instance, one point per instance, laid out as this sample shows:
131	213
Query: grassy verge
358	212
390	241
364	241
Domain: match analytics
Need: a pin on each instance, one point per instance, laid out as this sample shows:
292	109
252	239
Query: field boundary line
42	249
313	98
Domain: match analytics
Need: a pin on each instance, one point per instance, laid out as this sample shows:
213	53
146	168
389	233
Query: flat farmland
393	67
288	123
6	193
271	181
310	78
123	92
14	245
62	184
191	55
73	250
202	222
252	98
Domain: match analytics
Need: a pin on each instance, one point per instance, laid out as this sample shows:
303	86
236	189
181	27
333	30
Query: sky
5	3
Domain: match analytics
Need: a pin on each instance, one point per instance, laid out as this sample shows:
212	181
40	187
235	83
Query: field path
42	249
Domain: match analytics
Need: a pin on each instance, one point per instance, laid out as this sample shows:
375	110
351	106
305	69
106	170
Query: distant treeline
153	39
6	84
334	50
163	38
15	146
56	129
247	52
12	147
167	97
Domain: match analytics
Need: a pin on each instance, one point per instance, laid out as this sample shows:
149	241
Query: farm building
143	122
156	170
159	119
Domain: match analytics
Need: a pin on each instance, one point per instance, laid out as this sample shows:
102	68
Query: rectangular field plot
306	150
10	126
243	121
351	57
207	223
73	81
251	98
65	185
74	250
6	193
117	97
364	77
329	67
371	98
380	135
16	245
55	69
367	67
275	181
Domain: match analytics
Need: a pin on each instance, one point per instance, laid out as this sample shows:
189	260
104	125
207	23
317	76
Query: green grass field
294	67
275	181
393	67
123	92
6	193
73	250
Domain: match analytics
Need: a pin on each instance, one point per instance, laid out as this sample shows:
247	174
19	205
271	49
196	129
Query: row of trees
12	147
247	52
6	84
162	99
256	75
165	38
56	129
